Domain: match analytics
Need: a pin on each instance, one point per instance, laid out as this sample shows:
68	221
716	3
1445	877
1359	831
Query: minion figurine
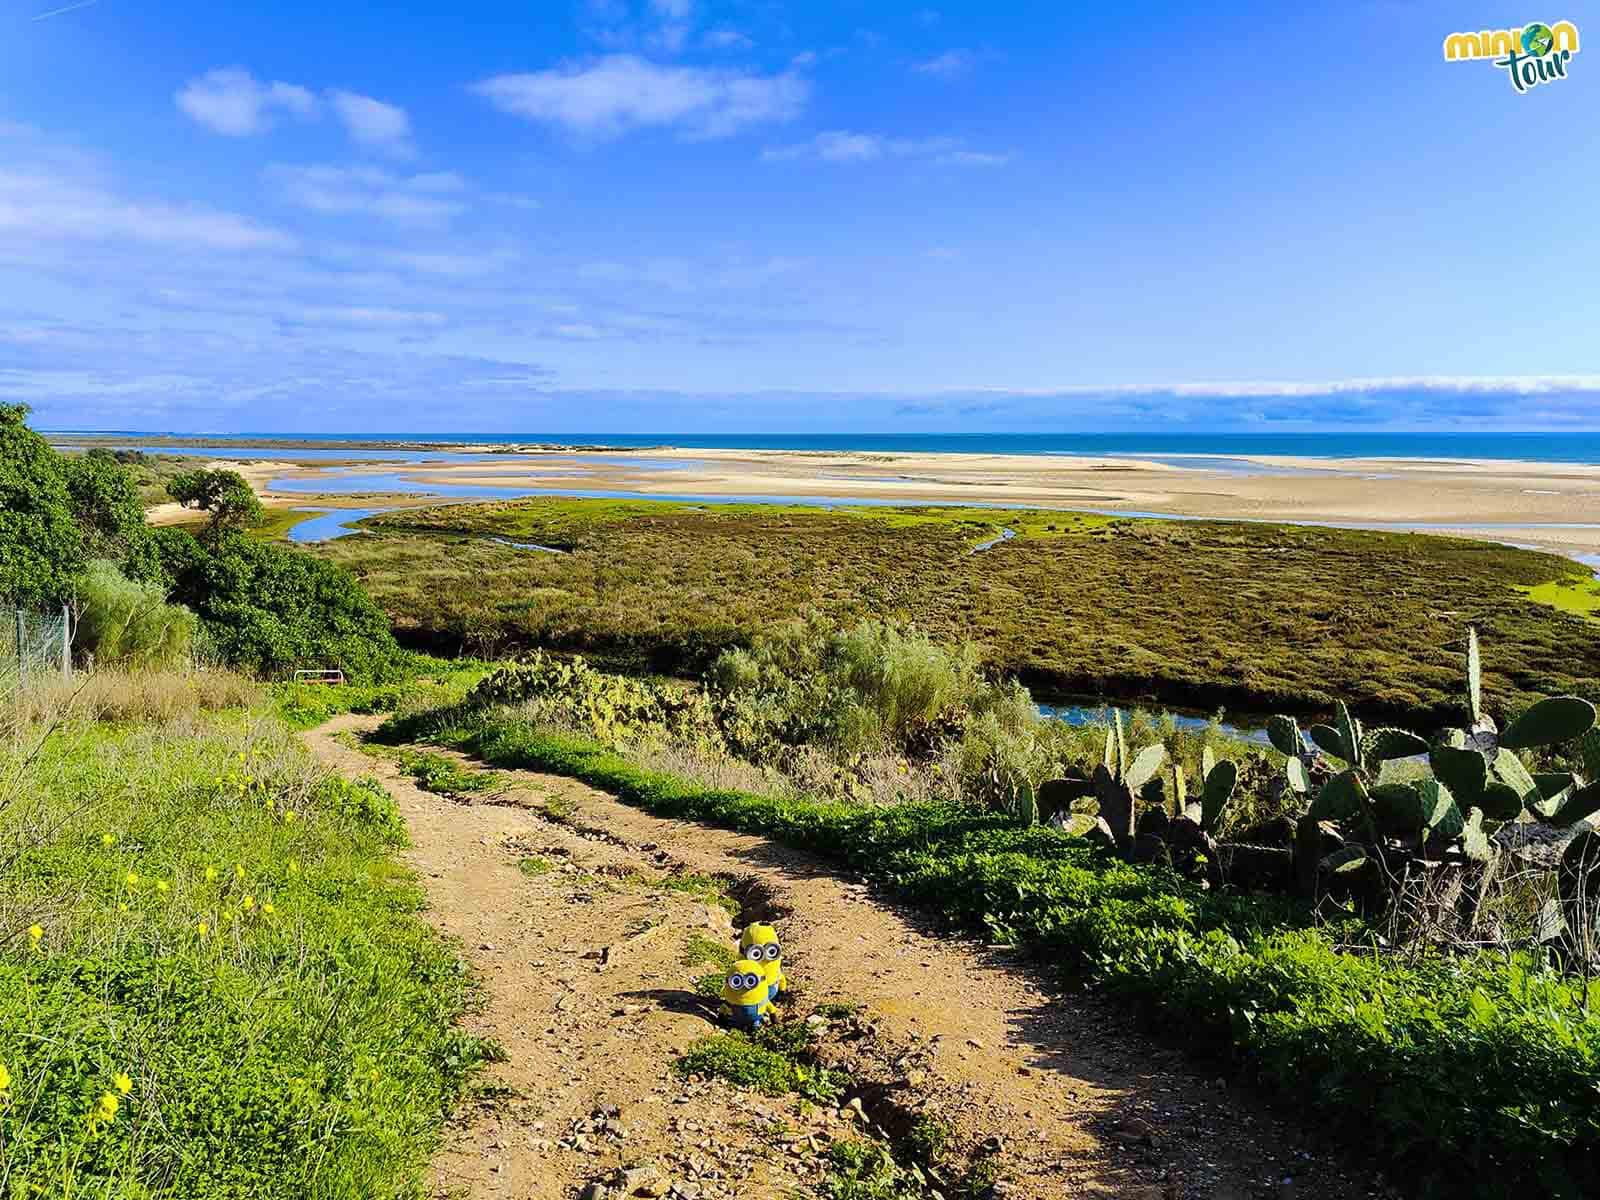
745	1001
759	943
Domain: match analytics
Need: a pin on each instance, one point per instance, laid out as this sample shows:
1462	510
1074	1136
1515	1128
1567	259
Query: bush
273	609
875	686
124	623
616	709
1482	1058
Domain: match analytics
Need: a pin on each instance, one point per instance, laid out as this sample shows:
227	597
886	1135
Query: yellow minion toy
759	943
744	995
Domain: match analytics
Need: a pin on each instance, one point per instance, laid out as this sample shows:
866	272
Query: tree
223	495
110	516
273	609
41	550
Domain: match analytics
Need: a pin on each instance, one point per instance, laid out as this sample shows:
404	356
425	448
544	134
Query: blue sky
767	215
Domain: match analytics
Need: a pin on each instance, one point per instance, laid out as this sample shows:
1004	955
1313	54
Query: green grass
277	522
1482	1057
231	962
432	681
1193	614
707	888
775	1060
444	776
1570	595
533	865
700	950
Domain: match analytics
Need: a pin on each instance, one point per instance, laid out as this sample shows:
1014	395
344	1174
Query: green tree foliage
266	607
223	496
109	513
128	623
274	609
41	550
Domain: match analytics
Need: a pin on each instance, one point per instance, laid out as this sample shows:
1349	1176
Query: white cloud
229	100
365	317
844	146
726	39
973	158
374	124
424	200
608	96
43	205
447	264
947	65
1516	385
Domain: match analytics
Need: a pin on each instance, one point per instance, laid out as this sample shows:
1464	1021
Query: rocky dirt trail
563	901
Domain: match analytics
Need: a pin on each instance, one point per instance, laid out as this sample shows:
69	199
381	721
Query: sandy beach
1546	505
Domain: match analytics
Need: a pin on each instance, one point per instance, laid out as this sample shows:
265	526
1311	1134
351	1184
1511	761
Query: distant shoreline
1574	448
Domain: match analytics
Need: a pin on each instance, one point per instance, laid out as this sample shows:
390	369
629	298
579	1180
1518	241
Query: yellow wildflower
238	871
123	1082
36	934
133	879
294	866
107	1108
122	908
247	903
202	929
288	816
162	885
107	839
268	909
5	1077
211	874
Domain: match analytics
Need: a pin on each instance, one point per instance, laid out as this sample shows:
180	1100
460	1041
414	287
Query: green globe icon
1538	39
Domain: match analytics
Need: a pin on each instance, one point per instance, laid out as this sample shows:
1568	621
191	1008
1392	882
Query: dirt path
581	950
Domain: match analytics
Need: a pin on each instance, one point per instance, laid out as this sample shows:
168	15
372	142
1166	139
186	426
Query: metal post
66	643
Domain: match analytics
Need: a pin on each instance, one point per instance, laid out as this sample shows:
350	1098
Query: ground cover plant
1196	614
214	978
1487	1059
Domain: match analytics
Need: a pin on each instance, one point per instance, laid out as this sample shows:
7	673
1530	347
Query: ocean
1528	447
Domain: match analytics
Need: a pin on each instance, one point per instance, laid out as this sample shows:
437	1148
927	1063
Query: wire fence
33	646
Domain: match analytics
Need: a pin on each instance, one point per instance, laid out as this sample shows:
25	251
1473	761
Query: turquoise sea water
1582	447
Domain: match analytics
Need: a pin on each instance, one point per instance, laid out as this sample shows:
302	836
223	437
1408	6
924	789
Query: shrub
875	686
273	609
124	623
616	709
